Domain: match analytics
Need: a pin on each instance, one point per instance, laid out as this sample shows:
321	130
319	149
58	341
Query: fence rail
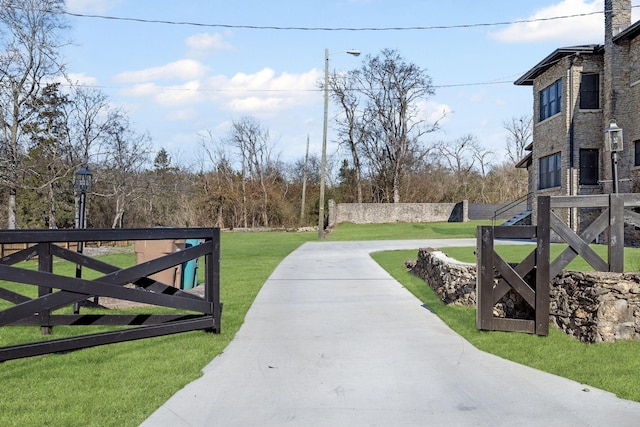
531	277
56	291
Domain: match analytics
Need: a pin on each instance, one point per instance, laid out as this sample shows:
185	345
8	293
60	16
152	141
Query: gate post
616	233
484	280
543	253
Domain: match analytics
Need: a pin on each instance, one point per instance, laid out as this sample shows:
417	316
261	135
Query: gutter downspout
572	212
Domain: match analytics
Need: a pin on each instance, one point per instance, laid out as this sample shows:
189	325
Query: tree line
50	126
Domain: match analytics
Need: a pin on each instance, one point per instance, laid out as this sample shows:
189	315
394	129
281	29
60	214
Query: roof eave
528	78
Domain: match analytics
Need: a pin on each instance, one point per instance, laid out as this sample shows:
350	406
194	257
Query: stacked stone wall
378	213
590	306
596	306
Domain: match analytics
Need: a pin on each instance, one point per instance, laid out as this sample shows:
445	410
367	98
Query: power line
296	28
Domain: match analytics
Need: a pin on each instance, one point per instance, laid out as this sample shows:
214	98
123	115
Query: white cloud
265	92
205	44
185	69
582	30
434	112
167	96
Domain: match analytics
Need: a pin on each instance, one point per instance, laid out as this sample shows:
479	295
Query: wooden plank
514	232
138	319
515	281
543	278
589	201
93	340
97	234
79	287
514	325
588	235
616	233
524	268
631	199
212	279
484	281
579	245
45	264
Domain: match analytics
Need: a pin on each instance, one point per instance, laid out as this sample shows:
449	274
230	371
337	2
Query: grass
122	384
610	366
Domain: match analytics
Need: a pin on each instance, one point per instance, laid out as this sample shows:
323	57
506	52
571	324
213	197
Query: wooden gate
55	292
531	277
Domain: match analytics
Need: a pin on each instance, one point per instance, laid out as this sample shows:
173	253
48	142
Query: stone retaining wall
378	213
590	306
596	306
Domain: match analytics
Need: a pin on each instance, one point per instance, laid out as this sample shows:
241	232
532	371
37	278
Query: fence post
543	253
616	233
212	279
45	263
484	280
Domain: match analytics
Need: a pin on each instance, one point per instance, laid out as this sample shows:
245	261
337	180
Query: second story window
551	100
590	91
589	166
549	173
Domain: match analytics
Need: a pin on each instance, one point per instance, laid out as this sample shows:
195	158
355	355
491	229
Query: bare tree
392	124
350	129
126	153
29	55
520	133
255	148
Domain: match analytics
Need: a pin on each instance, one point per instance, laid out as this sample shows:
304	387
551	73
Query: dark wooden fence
56	292
530	278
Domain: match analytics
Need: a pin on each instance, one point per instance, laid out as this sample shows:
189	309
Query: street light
613	143
82	185
323	161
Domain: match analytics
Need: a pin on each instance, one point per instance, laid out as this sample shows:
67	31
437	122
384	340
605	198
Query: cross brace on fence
531	277
56	292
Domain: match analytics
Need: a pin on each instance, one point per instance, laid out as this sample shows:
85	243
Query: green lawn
122	384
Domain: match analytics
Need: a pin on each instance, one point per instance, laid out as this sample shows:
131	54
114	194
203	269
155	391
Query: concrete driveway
333	340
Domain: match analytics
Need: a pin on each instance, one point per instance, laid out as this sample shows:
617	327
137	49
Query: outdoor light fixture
323	161
82	185
82	180
613	143
613	137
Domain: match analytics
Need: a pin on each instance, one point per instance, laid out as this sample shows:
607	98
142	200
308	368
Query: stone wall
453	281
596	306
377	213
590	306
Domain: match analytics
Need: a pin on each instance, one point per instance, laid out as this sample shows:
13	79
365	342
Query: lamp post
82	186
613	143
323	161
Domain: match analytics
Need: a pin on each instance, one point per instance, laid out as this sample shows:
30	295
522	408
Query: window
550	171
590	91
551	100
589	166
636	146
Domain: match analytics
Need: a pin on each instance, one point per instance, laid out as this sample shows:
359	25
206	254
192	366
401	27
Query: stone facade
377	213
590	306
617	62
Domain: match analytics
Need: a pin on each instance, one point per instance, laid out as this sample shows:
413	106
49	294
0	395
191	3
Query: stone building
577	92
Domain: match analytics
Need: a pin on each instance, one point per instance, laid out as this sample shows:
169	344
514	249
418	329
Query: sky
211	62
